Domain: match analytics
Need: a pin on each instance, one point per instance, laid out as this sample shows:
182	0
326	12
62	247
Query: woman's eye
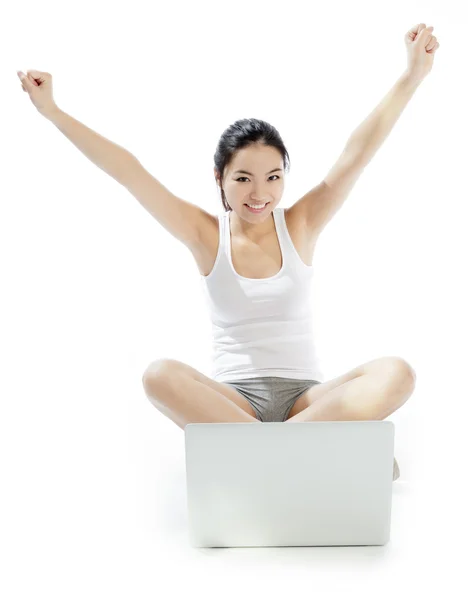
239	178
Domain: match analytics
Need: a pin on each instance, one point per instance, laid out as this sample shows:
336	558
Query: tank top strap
287	243
283	232
223	231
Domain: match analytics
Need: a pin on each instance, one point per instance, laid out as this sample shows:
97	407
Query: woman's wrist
51	113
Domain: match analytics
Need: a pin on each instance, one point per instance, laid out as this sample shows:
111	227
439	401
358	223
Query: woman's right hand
39	87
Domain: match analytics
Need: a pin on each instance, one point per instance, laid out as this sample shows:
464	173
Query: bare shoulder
304	234
295	218
297	222
303	216
204	246
207	228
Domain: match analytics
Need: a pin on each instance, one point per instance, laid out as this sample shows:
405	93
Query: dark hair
241	134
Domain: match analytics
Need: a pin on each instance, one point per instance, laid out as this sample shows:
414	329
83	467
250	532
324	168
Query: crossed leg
371	391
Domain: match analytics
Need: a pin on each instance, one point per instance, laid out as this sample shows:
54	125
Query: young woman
255	263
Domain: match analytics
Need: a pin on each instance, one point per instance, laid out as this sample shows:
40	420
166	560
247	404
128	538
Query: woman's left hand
421	46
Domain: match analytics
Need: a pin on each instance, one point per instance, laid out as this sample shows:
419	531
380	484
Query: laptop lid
320	483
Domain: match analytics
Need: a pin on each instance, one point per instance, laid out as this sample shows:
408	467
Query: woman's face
255	176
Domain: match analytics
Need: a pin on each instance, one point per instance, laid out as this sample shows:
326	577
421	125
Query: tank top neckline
227	238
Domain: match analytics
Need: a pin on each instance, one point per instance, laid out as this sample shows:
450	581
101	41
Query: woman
255	266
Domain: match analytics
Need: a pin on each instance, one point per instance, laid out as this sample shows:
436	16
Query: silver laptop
321	483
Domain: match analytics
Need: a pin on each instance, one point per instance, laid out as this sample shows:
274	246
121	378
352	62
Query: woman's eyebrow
248	173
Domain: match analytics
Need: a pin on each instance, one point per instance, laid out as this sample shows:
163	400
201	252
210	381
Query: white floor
425	554
96	509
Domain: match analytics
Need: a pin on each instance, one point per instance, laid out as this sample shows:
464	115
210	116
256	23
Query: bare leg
368	397
185	399
371	396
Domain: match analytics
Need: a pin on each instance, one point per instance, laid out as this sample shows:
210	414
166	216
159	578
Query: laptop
321	483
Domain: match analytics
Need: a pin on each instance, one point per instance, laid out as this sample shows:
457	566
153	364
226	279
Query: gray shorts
272	397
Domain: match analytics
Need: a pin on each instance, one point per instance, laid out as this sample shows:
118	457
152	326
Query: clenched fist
39	87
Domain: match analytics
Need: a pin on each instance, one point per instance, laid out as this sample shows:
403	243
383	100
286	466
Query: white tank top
261	327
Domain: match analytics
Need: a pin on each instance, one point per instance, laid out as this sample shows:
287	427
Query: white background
94	289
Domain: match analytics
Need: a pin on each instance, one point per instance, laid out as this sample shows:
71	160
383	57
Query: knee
400	370
159	372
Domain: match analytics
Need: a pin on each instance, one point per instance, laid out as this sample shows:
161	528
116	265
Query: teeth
256	206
